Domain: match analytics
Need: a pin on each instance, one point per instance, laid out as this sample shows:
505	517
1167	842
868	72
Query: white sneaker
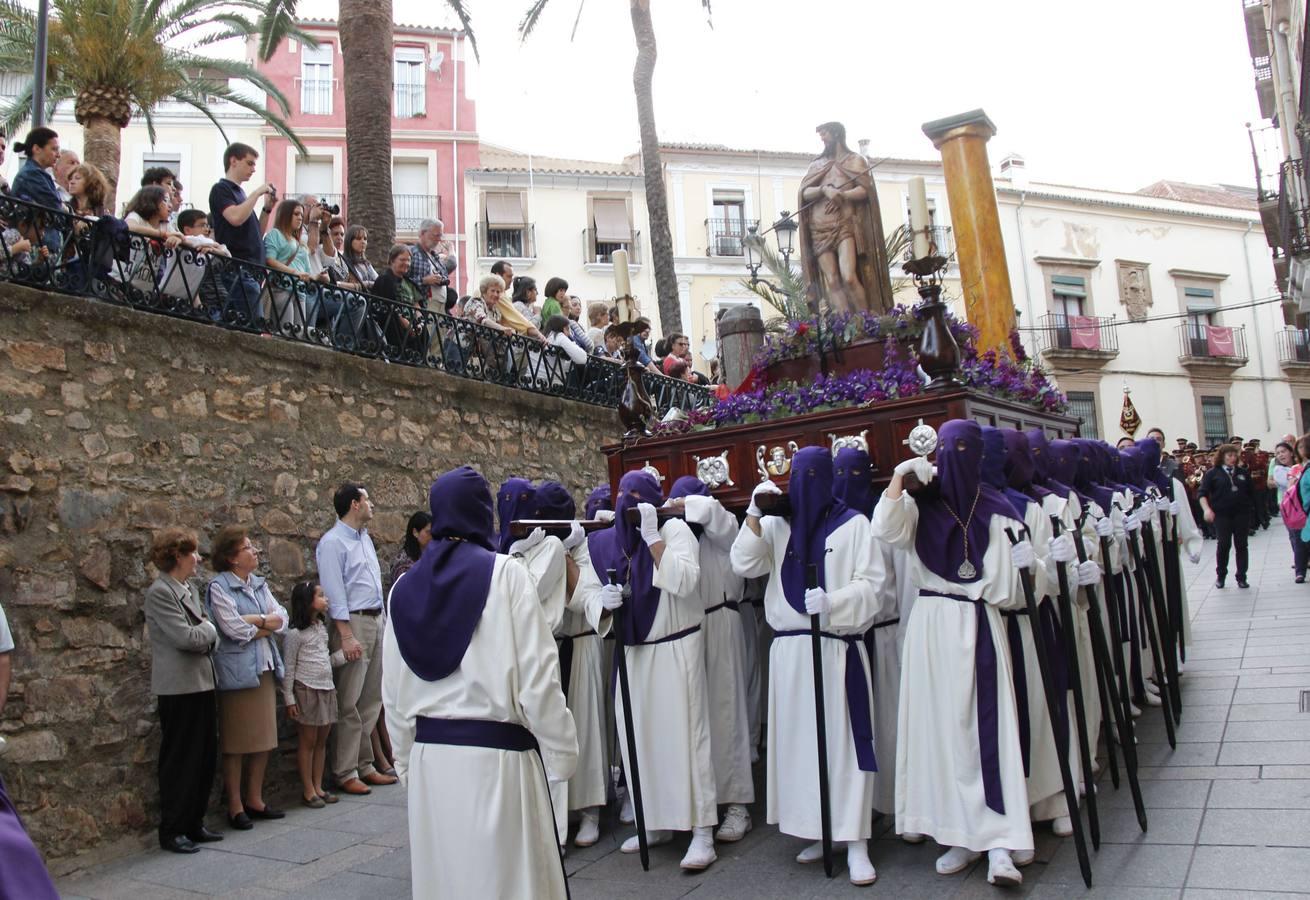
1153	699
811	854
626	815
588	830
701	851
1023	858
1062	826
653	839
956	859
1001	870
861	869
736	822
1134	711
912	837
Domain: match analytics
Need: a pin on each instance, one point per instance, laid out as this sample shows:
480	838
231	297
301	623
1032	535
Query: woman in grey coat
182	676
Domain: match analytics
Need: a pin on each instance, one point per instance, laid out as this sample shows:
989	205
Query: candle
622	283
919	221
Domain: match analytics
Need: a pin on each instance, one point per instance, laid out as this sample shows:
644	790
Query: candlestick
622	281
919	221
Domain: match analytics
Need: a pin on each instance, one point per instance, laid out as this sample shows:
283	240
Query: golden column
976	224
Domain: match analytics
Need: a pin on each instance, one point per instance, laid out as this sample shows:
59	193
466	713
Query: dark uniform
1228	491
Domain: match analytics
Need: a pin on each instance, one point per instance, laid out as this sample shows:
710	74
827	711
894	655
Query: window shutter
505	211
611	217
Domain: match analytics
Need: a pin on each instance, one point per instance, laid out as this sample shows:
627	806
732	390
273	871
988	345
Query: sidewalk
1229	810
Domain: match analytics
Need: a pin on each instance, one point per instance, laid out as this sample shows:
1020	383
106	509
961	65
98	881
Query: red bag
1290	506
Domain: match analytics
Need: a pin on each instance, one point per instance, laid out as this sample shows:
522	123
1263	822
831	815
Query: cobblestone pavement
1229	809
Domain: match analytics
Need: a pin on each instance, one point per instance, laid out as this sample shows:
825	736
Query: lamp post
784	231
39	63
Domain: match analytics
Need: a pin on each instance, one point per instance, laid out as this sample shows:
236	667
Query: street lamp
785	230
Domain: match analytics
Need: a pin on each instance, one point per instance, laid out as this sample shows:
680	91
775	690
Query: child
186	276
307	687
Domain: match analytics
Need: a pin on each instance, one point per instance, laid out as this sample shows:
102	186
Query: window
1201	311
13	83
1068	299
316	81
506	225
410	90
1214	420
727	223
412	198
611	229
170	161
1082	406
315	178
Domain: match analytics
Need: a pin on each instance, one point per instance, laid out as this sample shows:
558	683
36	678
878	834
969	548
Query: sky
1114	94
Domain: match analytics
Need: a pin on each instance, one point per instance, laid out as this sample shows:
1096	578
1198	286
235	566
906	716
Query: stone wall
114	423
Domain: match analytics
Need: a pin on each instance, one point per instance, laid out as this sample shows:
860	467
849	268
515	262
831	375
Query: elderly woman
489	308
182	677
245	665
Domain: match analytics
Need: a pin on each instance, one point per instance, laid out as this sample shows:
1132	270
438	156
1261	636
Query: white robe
667	683
725	651
586	698
885	665
854	579
480	818
939	783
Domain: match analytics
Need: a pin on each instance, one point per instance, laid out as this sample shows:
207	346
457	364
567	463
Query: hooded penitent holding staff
474	708
841	239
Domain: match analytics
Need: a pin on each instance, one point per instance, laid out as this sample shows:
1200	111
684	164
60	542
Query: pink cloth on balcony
1219	341
1084	333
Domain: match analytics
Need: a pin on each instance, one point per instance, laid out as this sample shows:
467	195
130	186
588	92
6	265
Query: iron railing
412	209
1293	208
1294	345
596	251
725	236
1088	334
1198	340
942	239
96	259
506	243
409	100
316	96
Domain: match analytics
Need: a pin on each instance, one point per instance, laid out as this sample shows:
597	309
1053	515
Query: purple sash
857	695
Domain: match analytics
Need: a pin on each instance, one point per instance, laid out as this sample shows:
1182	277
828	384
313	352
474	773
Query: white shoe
956	859
653	839
1023	858
626	815
811	854
1062	826
1096	767
755	755
1153	699
1134	711
588	830
1001	870
700	854
912	837
736	822
861	869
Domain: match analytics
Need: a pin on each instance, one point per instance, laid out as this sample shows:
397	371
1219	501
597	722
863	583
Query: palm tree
119	58
365	28
657	201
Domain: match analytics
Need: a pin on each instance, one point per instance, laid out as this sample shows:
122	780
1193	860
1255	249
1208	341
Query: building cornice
1081	262
1106	203
483	178
1199	275
397	134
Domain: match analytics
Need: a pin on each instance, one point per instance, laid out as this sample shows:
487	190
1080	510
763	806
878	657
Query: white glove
611	596
1022	555
817	601
1162	504
650	524
604	515
1061	548
1104	527
1174	507
535	537
1194	557
1089	573
919	467
764	487
1131	522
576	536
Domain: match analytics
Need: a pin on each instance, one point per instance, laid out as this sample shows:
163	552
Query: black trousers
188	752
1231	529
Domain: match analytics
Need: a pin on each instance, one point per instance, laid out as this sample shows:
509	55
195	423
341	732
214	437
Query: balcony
941	238
1212	350
316	96
1293	210
598	253
723	237
1294	352
411	209
506	243
409	100
1077	341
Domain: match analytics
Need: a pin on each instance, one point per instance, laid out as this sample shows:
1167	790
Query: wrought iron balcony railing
1293	209
595	250
724	236
1200	342
1294	346
941	236
411	209
73	255
1057	332
506	243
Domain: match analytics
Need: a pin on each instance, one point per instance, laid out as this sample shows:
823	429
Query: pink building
433	125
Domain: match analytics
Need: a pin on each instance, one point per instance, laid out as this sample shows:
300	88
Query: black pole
39	63
1114	595
1173	578
634	777
1053	704
1160	604
1079	702
1110	700
1152	639
820	726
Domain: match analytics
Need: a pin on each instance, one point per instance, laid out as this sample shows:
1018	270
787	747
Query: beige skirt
317	707
247	720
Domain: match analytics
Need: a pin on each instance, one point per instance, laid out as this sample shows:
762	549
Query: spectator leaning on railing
88	189
63	170
427	269
35	185
237	227
354	254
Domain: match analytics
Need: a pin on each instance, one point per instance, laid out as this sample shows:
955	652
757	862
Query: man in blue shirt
232	216
350	575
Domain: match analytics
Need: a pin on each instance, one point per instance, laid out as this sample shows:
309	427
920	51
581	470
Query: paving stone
353	886
372	819
1287	730
1176	826
1257	828
1265	712
1209	894
1153	754
204	872
1245	696
300	845
394	864
1189	773
1278	753
1156	795
1250	868
1284	772
1124	865
1044	891
1257	794
1298	659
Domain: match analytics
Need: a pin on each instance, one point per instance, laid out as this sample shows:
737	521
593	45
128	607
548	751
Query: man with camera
428	269
232	215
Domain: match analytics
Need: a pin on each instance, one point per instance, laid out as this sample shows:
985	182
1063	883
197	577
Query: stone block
35	356
92	632
285	484
286	558
73	394
275	521
20	387
95	445
192	404
34	746
96	566
100	351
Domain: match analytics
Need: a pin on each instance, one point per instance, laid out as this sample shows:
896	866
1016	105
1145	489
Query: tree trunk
365	27
101	139
657	203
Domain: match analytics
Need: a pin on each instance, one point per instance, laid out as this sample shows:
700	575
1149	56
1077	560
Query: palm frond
278	20
529	20
465	23
787	296
14	116
279	124
709	15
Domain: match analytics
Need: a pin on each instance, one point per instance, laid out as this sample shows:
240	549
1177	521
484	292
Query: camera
331	208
